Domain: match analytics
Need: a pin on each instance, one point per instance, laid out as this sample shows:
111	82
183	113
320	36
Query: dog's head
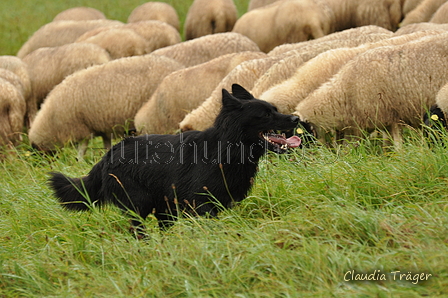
435	117
257	120
435	125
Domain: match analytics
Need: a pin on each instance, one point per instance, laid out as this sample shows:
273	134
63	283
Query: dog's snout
294	119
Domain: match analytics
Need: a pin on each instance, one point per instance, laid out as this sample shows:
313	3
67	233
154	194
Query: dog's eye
267	115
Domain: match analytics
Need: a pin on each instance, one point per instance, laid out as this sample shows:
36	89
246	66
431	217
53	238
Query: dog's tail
77	193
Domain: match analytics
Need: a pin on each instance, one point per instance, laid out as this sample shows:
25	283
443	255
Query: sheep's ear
239	92
230	101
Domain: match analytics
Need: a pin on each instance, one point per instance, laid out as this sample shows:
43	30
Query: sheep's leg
386	137
82	148
31	111
352	135
396	133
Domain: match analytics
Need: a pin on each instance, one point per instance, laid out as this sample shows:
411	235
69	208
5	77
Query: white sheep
307	77
157	34
280	71
209	17
347	38
356	13
262	73
180	92
13	79
423	12
409	5
48	66
286	22
305	51
205	48
425	26
99	100
382	88
59	33
80	13
441	15
315	72
244	74
20	68
12	113
159	11
119	42
253	4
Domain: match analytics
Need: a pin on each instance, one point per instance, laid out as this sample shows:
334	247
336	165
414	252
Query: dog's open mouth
278	142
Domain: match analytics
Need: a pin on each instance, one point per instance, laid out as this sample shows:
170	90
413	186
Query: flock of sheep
343	66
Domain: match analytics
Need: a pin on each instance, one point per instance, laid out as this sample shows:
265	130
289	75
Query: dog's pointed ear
239	92
230	101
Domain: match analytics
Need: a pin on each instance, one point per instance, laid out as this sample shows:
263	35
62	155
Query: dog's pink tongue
293	141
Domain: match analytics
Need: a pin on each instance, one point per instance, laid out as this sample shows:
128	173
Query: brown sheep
180	93
209	17
286	21
159	11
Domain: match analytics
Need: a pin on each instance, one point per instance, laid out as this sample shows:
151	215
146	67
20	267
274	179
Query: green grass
312	216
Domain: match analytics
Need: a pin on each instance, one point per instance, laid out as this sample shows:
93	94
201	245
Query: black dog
193	171
435	125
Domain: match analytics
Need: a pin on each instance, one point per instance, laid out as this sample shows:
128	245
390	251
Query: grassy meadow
316	219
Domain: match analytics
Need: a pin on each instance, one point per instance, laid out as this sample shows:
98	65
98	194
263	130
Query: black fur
435	118
192	171
435	125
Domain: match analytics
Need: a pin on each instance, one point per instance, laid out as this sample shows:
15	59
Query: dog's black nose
294	119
